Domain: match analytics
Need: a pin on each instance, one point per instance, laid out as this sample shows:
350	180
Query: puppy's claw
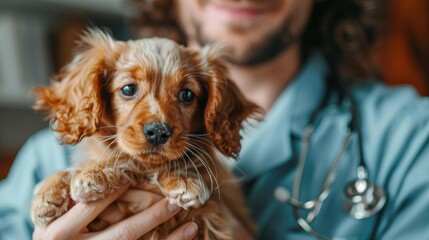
51	200
50	213
186	192
57	202
92	185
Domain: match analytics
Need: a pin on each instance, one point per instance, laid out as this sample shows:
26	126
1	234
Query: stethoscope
362	198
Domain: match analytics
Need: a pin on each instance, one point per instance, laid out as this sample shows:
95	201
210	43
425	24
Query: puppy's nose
157	133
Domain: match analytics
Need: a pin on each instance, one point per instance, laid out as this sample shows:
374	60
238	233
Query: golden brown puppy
153	112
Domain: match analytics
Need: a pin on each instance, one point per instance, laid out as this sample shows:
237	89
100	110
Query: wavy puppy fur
162	115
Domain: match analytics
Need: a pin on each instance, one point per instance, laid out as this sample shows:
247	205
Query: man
270	58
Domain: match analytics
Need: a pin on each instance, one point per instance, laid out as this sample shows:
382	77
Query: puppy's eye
186	96
129	90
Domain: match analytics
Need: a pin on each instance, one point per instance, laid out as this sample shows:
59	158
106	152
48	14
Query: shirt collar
269	143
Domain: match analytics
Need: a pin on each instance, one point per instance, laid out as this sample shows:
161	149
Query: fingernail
173	207
191	231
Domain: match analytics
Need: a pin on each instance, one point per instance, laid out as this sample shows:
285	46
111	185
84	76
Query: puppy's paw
185	192
93	184
51	199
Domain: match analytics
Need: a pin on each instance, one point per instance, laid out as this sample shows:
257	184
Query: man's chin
239	50
254	56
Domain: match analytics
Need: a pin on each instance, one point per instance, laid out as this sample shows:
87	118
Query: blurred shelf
31	51
26	45
23	101
23	58
113	7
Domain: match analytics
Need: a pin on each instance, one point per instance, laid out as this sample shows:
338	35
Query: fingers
112	214
138	200
37	234
80	215
141	223
187	231
142	197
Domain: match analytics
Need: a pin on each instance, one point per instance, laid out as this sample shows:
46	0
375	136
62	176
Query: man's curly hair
344	31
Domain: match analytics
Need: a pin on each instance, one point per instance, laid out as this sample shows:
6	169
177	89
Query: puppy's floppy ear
226	107
74	98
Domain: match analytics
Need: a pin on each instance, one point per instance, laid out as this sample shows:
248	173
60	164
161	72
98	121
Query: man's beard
259	52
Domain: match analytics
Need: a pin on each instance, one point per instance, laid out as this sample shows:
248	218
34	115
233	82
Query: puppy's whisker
166	168
175	164
104	151
197	134
202	139
117	158
209	172
184	163
177	169
209	157
207	143
105	169
115	154
112	126
108	138
197	171
109	145
205	165
129	162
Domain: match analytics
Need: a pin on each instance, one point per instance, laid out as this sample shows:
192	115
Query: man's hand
72	225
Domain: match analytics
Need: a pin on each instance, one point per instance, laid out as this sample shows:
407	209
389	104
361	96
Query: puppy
158	114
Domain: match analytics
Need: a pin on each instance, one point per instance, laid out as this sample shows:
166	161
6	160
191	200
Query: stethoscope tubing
330	177
314	205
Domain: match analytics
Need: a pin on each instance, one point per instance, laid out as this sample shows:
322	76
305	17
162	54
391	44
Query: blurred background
37	38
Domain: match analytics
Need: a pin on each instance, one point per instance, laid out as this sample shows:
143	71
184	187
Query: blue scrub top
395	138
395	131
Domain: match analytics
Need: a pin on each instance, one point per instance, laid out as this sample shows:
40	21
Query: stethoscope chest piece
363	198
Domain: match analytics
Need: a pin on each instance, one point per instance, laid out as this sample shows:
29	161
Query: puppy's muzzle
157	133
